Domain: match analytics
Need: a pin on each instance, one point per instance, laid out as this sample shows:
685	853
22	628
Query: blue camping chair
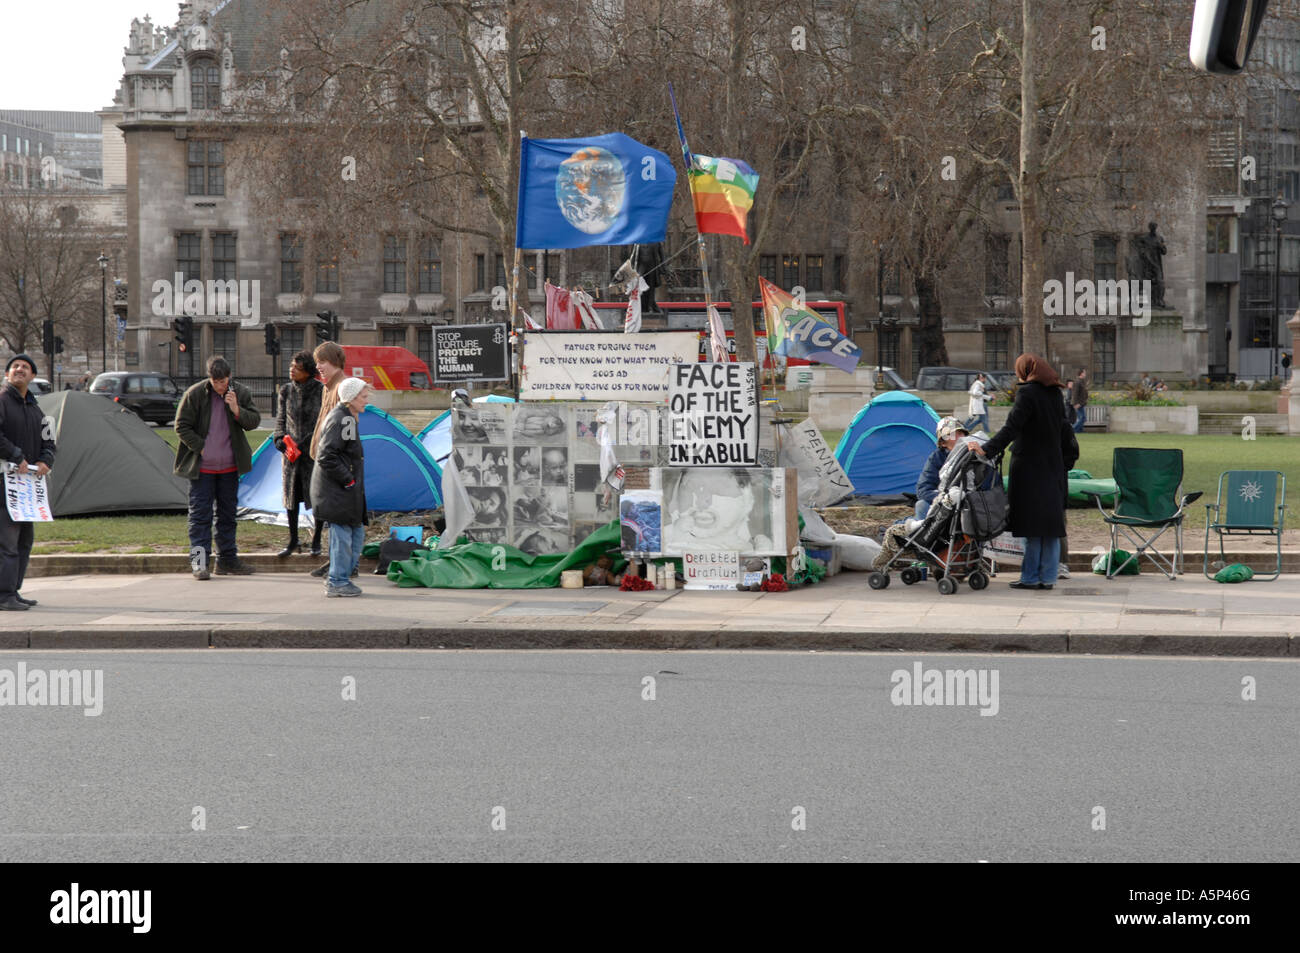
1250	503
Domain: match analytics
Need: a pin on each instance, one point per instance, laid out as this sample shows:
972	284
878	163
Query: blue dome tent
886	445
401	476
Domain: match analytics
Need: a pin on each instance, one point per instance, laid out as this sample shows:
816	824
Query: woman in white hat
338	485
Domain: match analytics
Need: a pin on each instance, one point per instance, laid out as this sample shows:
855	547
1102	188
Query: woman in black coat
299	406
1038	479
338	485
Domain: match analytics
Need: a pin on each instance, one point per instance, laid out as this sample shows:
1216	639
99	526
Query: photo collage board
532	471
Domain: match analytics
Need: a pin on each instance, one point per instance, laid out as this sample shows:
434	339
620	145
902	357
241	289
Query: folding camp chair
1148	498
1250	503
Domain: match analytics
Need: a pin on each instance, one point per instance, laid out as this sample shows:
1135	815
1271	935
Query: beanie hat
22	357
948	427
349	389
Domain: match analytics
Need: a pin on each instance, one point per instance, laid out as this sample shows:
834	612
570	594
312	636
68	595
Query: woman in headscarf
1038	480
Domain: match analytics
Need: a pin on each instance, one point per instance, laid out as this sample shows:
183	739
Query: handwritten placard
832	483
713	415
711	570
571	365
27	497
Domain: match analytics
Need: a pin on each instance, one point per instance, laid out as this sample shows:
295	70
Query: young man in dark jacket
28	444
212	454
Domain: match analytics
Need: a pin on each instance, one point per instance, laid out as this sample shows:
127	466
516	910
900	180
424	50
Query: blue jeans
922	507
223	490
1080	418
981	419
345	552
1042	562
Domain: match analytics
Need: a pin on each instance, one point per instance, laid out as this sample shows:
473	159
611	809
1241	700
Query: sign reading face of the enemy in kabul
466	353
713	415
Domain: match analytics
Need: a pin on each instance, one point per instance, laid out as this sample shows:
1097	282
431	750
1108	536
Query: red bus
683	315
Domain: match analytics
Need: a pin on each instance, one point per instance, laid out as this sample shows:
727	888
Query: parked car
889	379
959	378
387	367
39	386
152	395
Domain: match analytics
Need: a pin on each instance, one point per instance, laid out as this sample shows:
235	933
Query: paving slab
1085	614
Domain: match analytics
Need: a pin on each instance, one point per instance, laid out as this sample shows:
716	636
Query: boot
293	547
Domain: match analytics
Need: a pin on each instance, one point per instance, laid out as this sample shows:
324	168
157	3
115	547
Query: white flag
717	336
457	507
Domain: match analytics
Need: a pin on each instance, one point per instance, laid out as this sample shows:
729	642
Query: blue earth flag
603	190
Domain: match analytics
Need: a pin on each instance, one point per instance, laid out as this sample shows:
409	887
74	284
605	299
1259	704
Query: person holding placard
27	445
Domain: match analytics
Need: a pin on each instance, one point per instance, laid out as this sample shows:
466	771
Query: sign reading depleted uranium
713	415
570	365
472	352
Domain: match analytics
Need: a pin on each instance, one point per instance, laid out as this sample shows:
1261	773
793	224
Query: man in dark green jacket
212	453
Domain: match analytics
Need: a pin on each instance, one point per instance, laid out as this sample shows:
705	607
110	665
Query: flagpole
699	237
513	296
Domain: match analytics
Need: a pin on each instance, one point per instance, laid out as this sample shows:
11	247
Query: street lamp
103	310
1279	216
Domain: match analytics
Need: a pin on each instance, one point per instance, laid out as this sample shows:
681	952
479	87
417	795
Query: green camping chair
1148	498
1251	503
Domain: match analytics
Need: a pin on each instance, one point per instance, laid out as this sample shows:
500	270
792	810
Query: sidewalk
1147	614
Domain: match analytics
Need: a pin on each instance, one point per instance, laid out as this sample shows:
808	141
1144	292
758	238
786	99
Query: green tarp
108	460
494	566
1081	484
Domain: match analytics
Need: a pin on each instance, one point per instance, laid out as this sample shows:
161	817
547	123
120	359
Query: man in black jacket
26	443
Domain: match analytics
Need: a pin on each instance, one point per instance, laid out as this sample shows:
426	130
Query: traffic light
272	342
328	330
184	326
47	337
58	345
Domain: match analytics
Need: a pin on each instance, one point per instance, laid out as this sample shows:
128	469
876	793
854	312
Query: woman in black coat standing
1038	478
299	406
338	486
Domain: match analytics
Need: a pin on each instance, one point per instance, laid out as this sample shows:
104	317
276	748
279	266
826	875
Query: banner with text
27	497
471	352
713	415
577	365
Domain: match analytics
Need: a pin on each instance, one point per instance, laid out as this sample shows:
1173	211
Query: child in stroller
946	541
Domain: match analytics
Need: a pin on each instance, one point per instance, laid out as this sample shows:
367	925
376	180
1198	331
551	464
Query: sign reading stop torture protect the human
466	353
713	415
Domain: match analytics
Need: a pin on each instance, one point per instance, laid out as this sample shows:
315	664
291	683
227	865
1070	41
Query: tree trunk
934	350
1034	333
740	271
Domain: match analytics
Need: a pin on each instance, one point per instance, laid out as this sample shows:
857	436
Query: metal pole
880	311
103	316
1277	303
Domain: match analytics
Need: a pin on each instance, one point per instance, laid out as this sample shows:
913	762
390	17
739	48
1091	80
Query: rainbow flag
723	190
796	331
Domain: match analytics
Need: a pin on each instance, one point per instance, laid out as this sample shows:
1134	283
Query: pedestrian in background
298	411
1038	483
978	415
329	361
212	453
1080	399
28	446
338	486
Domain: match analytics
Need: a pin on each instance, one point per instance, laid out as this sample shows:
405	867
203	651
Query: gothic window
205	83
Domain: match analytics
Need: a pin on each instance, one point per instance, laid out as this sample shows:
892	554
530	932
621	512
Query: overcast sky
67	54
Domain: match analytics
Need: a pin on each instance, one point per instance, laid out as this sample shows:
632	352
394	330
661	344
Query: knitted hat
350	388
948	427
22	357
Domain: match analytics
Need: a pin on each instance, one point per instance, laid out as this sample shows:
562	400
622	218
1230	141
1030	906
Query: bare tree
48	268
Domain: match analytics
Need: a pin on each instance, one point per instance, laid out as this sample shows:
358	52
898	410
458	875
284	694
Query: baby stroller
947	542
